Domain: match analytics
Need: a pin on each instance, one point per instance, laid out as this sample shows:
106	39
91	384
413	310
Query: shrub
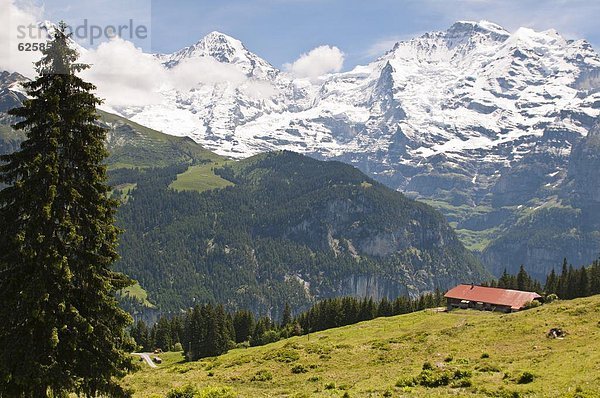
551	297
283	355
427	366
448	358
217	392
437	378
461	383
188	391
262	375
408	382
532	304
488	368
314	379
485	355
177	347
330	386
243	344
525	378
270	336
461	374
297	369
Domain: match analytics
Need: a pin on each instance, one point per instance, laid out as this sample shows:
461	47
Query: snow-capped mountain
474	117
472	92
224	49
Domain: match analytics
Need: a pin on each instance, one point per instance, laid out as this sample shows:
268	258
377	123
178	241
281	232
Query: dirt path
146	357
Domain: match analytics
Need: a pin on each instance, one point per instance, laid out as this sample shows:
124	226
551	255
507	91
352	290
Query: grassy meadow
467	353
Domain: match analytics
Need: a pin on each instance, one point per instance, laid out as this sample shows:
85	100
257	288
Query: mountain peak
219	43
216	35
482	25
225	49
471	28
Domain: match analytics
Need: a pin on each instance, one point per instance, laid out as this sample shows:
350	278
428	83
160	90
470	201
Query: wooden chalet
488	298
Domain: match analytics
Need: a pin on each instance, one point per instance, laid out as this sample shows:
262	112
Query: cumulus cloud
126	76
123	74
194	71
19	26
317	62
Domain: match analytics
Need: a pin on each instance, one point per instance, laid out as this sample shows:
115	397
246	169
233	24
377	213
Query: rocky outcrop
582	187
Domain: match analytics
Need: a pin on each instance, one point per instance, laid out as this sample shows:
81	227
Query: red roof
515	299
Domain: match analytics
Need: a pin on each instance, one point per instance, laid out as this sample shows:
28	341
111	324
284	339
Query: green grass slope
130	144
133	145
492	351
200	178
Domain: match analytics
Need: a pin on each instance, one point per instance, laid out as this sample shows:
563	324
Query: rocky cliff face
568	225
582	186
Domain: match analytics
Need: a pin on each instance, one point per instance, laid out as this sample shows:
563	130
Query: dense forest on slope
290	228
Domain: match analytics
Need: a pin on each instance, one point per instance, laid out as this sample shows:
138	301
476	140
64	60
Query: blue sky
281	30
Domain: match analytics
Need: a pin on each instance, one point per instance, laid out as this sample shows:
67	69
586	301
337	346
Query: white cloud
258	89
123	74
317	62
16	21
194	71
126	76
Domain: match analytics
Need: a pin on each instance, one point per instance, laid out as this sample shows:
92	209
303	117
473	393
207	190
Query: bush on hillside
532	304
188	391
262	375
438	378
525	378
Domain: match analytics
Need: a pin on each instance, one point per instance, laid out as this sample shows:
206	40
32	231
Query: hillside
368	359
130	144
285	227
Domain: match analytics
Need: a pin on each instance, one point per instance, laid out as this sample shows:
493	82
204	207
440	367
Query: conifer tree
286	319
163	338
523	280
61	329
563	280
141	335
551	286
583	284
243	324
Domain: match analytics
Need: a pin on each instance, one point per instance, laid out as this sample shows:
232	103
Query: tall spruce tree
286	318
61	329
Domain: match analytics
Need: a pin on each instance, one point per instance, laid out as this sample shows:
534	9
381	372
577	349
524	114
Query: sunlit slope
368	359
